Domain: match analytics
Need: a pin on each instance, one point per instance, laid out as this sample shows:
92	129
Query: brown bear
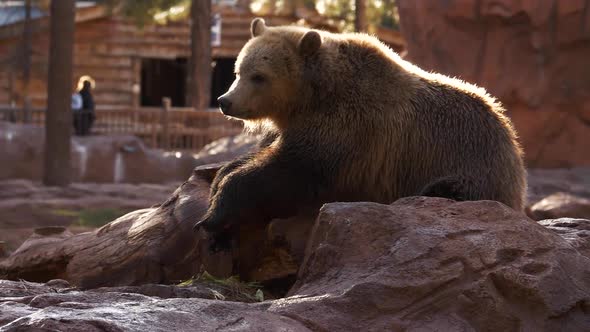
349	120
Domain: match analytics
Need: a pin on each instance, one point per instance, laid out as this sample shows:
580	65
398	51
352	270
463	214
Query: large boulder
432	264
533	55
427	264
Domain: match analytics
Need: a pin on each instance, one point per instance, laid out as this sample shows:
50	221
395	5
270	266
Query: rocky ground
26	206
426	264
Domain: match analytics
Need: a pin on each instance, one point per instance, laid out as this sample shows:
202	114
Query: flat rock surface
38	307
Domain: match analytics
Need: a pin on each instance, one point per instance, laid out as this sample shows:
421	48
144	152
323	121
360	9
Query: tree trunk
360	17
58	123
200	62
27	46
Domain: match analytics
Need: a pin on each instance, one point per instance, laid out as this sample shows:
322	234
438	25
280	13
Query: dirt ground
26	205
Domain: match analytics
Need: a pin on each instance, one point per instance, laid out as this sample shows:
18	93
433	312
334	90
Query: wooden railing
169	128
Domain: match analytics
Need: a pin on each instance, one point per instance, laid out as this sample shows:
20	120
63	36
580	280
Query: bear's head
269	73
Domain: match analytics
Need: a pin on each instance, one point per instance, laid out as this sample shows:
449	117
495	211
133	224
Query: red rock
41	307
530	54
418	264
434	264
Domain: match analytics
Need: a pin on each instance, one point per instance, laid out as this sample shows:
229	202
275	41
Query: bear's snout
224	104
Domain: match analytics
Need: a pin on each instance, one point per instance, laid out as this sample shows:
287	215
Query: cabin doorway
167	78
221	78
163	78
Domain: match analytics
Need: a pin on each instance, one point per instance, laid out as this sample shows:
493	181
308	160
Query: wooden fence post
166	105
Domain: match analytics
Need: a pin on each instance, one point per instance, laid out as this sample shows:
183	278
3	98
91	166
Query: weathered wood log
158	245
151	245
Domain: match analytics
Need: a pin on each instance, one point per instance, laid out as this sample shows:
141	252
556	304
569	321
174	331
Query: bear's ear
309	43
257	27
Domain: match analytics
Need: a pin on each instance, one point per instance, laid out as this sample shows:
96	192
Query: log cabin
132	66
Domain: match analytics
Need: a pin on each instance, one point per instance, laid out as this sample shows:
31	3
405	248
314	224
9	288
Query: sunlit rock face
532	55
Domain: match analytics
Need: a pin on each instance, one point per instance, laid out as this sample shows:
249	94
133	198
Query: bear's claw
199	224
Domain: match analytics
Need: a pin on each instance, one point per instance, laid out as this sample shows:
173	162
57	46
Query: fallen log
158	245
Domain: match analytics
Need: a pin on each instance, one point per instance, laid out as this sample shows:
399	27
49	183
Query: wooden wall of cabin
110	50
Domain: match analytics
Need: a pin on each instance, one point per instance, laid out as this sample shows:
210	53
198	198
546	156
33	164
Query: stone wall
109	159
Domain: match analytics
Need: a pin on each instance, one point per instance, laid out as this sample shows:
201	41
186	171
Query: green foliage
341	11
232	287
65	213
98	217
389	17
146	11
379	13
91	217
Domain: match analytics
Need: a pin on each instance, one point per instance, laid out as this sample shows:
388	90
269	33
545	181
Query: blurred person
76	101
83	106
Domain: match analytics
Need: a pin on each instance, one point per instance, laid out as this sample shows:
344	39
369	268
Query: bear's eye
257	78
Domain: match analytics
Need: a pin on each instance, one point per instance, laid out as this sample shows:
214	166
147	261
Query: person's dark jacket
87	100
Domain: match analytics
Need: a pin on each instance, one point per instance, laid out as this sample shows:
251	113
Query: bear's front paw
221	242
218	233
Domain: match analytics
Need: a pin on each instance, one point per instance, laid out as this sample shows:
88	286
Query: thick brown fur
352	121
